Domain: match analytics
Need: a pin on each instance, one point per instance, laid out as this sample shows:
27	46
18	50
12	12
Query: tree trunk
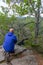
22	41
37	16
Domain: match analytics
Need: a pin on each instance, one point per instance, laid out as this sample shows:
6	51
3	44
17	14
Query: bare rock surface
25	58
3	64
18	49
1	55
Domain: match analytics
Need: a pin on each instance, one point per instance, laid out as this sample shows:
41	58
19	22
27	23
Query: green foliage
37	47
5	24
28	6
5	10
21	31
22	9
8	1
38	3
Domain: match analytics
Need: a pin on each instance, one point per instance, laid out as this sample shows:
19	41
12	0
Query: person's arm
15	39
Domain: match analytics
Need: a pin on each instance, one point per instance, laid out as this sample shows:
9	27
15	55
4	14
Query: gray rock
27	59
28	52
3	64
1	55
33	63
18	49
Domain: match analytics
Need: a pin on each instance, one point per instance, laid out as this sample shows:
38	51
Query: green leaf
25	1
8	1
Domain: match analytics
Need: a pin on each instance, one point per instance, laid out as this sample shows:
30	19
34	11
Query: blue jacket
9	42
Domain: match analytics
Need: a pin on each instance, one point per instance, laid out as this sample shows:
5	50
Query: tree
29	6
32	7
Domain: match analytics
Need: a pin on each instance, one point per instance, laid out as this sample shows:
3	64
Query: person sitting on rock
9	42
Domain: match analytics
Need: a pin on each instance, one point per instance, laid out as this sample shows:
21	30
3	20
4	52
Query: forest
29	30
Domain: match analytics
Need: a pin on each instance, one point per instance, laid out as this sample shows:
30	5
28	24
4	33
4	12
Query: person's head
11	30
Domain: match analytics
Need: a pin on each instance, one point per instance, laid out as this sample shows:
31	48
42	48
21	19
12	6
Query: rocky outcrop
18	50
23	57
